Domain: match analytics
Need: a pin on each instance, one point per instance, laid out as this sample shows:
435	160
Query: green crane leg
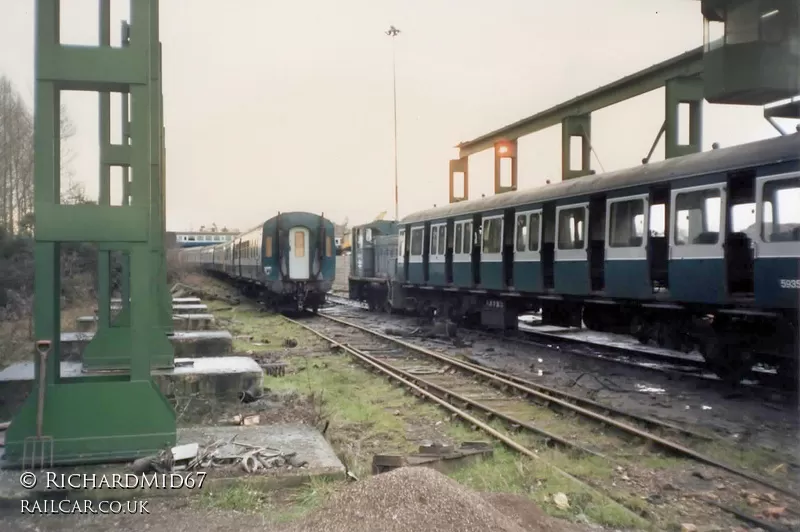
97	418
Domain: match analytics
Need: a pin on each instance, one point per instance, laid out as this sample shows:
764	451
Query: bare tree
17	158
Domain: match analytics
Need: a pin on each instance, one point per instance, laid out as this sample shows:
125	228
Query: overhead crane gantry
753	63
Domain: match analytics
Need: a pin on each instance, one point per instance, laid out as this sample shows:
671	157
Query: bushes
78	280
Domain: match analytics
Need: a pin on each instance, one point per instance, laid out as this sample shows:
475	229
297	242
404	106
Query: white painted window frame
527	255
493	257
698	251
572	255
628	252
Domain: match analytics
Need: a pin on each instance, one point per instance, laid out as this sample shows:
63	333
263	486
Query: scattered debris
160	463
251	394
250	458
275	369
253	419
290	342
436	456
688	527
561	501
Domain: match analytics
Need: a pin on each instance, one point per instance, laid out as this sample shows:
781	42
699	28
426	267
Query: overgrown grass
369	415
278	507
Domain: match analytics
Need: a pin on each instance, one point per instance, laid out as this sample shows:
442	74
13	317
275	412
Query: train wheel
728	362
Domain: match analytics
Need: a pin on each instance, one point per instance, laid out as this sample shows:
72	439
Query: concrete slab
194	322
602	339
211	377
307	442
176	308
187	344
175	300
181	322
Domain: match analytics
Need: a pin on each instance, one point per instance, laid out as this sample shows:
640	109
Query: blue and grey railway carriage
288	261
701	251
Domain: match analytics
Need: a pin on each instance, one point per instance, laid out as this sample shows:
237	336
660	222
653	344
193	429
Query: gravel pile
406	499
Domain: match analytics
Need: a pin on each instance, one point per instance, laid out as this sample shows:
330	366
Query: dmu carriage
288	261
701	251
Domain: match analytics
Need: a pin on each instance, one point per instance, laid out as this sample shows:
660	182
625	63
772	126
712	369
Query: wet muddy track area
744	428
743	415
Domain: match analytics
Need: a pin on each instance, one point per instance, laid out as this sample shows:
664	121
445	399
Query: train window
416	241
627	224
328	246
299	244
781	211
434	240
459	236
368	235
442	239
697	217
658	220
401	243
492	235
533	232
522	231
743	216
469	241
571	228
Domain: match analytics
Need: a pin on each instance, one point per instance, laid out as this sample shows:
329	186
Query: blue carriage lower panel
777	282
416	273
697	280
462	274
628	278
437	274
492	276
528	276
571	277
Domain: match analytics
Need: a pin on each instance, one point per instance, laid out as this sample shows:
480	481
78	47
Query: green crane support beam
681	76
101	416
688	64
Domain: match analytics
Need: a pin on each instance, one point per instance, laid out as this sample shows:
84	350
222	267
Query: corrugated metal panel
385	256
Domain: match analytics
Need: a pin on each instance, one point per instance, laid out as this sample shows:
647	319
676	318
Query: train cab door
462	254
492	271
696	252
299	263
437	264
402	255
627	269
528	273
777	250
571	268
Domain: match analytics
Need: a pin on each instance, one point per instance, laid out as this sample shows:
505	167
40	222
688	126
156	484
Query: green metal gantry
117	415
754	62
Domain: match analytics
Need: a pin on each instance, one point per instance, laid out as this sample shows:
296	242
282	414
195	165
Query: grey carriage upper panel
721	160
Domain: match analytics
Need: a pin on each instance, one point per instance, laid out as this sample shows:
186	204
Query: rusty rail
402	377
662	442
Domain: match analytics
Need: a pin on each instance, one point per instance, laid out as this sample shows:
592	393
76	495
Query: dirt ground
185	516
664	486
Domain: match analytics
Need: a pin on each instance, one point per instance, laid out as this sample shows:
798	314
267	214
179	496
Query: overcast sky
288	105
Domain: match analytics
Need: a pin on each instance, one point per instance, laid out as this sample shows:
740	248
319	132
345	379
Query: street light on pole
394	32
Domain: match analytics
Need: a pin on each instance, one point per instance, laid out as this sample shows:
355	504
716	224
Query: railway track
652	360
460	387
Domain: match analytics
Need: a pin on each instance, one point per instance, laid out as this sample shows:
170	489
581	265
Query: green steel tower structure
101	415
